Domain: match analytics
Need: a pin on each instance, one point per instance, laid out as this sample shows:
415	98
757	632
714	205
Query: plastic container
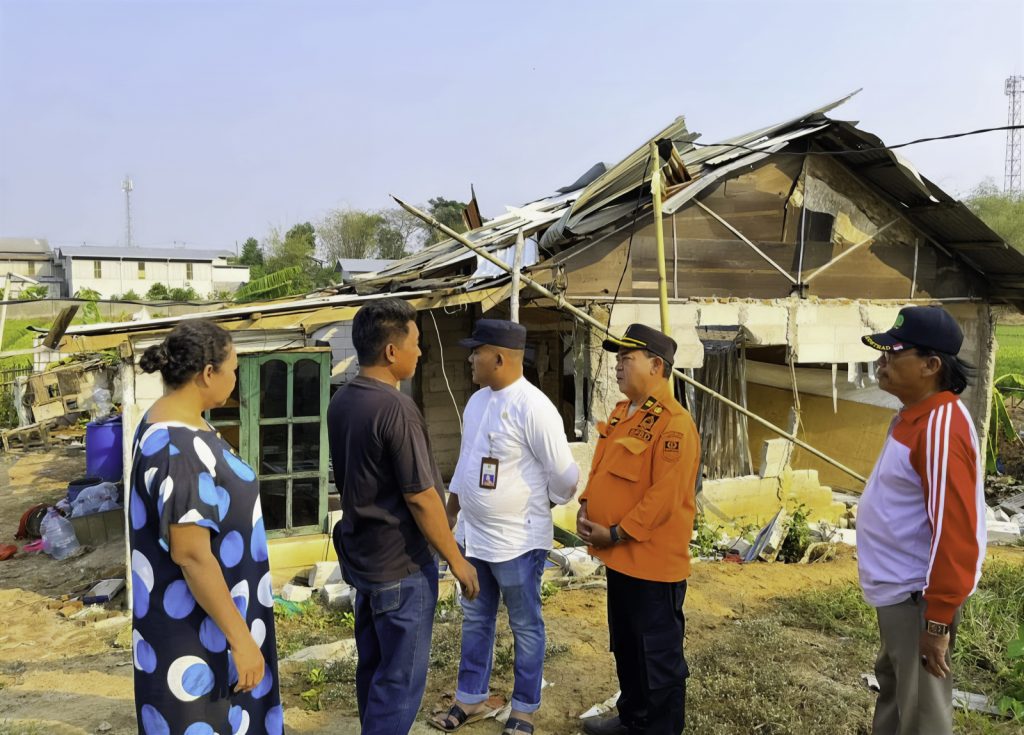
77	486
103	457
59	540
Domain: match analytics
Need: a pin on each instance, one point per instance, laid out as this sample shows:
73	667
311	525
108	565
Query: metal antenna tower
126	187
1015	91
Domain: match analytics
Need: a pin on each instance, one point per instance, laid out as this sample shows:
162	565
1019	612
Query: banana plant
1001	423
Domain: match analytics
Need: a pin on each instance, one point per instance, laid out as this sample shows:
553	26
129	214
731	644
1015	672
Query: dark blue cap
498	333
643	337
929	327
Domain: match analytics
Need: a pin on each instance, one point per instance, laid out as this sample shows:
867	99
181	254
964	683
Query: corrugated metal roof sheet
24	245
95	251
613	196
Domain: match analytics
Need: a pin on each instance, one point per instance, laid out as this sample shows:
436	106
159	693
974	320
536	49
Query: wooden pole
517	267
584	317
3	310
849	250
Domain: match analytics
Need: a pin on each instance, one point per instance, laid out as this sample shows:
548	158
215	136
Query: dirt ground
70	677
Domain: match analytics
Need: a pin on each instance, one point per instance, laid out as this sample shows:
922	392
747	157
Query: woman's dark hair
190	347
378	323
956	374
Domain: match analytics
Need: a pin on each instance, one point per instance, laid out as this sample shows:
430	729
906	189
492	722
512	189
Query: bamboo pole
659	239
586	318
659	236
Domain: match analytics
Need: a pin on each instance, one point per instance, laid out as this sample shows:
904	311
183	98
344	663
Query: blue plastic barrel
103	457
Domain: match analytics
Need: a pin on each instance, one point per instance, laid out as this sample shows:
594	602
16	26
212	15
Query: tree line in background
305	257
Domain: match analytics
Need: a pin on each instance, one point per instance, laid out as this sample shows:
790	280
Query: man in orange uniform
637	515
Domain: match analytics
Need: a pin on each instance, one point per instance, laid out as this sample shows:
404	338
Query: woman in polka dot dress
203	619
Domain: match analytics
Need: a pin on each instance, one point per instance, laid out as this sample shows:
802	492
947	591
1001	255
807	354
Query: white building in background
32	258
115	271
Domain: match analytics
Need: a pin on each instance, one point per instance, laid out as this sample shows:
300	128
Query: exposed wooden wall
704	259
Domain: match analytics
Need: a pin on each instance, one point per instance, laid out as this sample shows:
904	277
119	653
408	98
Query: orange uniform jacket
643	479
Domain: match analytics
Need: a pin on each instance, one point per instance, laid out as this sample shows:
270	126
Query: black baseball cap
642	337
496	332
930	327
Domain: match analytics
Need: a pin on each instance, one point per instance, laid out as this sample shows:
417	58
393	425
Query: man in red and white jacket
921	521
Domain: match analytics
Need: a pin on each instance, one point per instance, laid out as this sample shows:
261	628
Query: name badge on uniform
488	473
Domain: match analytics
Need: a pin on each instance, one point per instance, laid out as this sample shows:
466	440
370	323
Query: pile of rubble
324	578
1004	510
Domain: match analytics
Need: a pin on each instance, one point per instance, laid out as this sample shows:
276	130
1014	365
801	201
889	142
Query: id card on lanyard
489	467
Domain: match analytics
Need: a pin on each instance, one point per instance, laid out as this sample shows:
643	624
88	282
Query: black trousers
646	623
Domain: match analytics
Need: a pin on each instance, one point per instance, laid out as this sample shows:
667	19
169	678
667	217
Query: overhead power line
867	149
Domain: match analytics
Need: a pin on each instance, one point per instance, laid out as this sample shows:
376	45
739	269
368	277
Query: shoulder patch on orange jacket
671	442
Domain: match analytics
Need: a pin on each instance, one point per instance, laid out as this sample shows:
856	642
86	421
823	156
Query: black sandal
456	713
514	726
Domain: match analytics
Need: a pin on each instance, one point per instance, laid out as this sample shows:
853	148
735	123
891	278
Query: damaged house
782	247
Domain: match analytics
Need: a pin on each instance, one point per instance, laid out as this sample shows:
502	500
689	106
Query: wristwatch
613	531
936	628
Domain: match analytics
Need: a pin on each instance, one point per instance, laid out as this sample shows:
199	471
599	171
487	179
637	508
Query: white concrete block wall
118	276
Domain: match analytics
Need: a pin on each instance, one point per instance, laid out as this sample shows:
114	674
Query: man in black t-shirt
392	501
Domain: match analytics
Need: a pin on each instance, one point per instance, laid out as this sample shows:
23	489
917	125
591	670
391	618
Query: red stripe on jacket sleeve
947	463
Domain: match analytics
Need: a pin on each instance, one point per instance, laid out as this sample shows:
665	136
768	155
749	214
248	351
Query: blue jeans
394	622
518	582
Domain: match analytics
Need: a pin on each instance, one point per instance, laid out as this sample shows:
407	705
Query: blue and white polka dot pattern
143	654
189	678
178	600
232	547
153	723
142	583
184	669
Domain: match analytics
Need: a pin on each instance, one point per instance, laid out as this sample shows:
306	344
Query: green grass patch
837	610
310	625
1010	354
981	657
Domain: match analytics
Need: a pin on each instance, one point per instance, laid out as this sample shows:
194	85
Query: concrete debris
846	536
820	551
104	727
871	682
1001	515
775	455
324	573
976	702
1003	532
328	652
115	621
739	546
575	562
602	707
338	595
70	608
990	513
768	543
296	592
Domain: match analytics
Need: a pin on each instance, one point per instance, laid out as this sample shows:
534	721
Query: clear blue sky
233	117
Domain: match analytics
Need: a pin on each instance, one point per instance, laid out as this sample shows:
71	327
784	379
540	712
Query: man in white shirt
514	465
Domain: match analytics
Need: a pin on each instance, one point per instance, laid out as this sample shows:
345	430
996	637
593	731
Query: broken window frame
250	425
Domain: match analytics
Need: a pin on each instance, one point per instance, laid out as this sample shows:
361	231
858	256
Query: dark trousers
646	623
394	622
